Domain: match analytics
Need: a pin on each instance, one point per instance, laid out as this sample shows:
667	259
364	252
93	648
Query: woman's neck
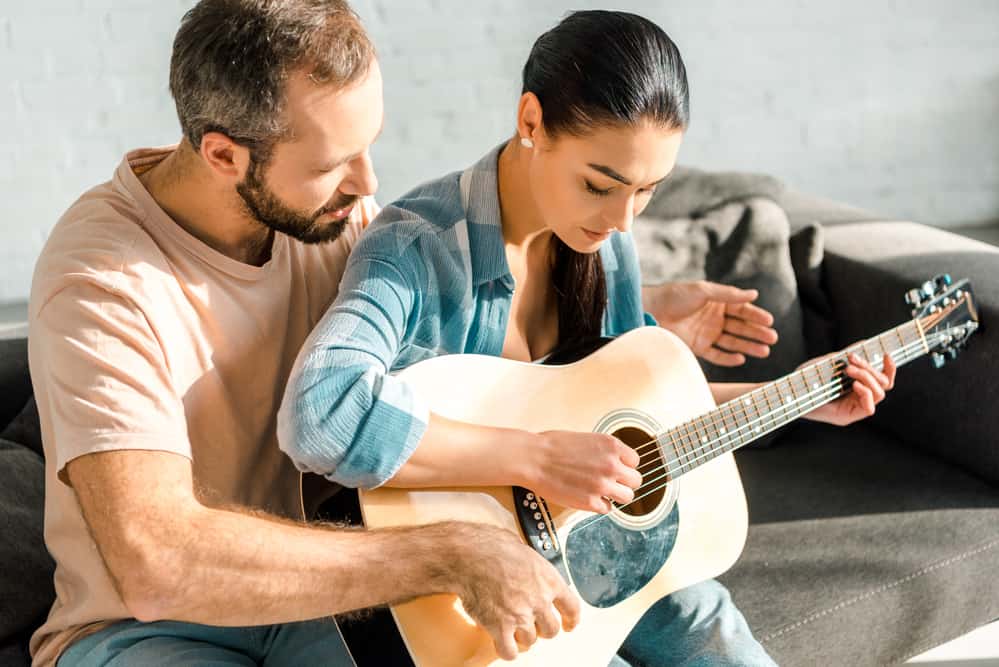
524	230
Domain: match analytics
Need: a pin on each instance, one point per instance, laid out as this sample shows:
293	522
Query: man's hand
718	322
511	591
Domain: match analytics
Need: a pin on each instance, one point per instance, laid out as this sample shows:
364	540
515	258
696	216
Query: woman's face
589	186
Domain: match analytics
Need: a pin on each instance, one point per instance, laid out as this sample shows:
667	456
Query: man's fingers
568	606
506	646
546	622
722	358
750	313
728	293
525	636
750	330
732	343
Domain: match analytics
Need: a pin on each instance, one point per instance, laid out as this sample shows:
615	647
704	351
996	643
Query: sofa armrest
952	412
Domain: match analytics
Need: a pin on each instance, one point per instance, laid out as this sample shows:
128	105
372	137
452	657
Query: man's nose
361	179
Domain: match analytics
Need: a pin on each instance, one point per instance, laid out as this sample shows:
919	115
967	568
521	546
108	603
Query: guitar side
646	380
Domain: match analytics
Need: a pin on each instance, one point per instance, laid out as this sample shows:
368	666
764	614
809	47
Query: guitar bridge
537	527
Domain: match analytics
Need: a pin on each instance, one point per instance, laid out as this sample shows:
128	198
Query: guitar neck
753	415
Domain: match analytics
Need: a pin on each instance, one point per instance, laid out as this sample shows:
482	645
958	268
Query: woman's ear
529	117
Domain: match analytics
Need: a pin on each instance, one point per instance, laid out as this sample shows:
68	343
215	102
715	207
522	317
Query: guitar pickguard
609	562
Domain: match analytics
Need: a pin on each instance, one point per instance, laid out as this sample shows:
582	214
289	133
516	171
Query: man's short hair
232	58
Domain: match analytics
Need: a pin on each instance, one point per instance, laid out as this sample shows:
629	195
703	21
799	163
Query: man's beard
267	209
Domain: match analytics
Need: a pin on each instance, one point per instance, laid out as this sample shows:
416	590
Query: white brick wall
888	105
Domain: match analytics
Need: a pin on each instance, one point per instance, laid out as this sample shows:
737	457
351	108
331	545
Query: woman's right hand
582	470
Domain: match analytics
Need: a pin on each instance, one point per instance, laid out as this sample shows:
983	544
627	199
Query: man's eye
595	191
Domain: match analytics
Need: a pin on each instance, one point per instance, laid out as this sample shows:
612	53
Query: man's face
313	179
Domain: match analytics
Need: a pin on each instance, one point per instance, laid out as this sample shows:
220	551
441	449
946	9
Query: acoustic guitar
688	520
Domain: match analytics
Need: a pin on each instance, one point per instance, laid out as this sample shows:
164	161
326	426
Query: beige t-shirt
143	337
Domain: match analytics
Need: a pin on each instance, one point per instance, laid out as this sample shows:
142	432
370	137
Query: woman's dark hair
598	69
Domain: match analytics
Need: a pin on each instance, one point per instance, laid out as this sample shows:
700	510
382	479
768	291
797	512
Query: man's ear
224	157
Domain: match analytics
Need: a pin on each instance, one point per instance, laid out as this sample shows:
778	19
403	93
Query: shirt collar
480	199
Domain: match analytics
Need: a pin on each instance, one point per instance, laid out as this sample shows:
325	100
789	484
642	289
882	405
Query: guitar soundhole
650	464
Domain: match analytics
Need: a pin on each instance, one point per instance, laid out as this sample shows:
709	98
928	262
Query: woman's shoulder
433	207
419	225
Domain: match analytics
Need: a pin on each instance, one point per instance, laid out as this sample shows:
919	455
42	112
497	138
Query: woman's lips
595	236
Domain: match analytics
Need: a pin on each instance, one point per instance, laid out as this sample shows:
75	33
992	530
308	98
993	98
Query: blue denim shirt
429	277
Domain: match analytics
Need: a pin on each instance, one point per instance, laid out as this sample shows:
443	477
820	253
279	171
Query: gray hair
232	58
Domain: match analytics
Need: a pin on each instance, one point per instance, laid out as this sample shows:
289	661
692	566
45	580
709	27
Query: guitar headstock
947	315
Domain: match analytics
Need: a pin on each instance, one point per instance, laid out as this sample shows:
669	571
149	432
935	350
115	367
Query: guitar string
811	400
839	365
830	391
649	446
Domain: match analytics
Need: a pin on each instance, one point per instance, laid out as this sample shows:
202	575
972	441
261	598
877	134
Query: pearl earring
526	143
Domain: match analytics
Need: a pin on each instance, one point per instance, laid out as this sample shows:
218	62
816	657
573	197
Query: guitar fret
770	406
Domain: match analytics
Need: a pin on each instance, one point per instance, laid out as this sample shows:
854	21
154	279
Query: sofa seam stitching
879	589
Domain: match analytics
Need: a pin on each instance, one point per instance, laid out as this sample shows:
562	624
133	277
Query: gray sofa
867	545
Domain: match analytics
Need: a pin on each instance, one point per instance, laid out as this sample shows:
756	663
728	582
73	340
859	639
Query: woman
526	251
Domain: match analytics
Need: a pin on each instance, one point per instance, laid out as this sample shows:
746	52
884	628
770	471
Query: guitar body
635	387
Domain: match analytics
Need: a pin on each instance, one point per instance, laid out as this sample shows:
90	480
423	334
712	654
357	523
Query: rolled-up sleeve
344	415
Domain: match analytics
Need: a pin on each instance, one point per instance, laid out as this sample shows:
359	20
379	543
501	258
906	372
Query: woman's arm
344	416
869	387
579	470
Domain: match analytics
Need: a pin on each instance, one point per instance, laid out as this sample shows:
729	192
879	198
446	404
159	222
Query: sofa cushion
15	382
25	429
744	243
869	268
26	587
862	550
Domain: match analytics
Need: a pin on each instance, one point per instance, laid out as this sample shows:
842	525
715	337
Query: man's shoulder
100	240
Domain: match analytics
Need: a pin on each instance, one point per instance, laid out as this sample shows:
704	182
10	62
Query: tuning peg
938	360
914	297
952	353
942	281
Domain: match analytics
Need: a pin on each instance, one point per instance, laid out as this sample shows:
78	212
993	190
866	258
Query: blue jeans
695	627
172	643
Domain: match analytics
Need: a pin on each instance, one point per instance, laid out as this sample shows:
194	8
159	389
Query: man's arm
172	557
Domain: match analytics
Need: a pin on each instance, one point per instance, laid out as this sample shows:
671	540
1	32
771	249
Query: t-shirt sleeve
101	377
344	415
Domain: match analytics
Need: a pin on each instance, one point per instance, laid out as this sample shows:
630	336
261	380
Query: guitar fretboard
767	408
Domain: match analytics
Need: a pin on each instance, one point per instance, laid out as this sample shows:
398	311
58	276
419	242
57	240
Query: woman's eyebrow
607	171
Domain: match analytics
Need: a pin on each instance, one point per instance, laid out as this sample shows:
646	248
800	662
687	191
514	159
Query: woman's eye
647	191
595	191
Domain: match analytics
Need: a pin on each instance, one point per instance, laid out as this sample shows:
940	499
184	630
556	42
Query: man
166	311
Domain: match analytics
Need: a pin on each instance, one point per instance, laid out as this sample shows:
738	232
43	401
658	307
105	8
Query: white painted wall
888	105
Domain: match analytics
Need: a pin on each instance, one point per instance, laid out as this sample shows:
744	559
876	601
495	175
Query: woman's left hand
869	387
